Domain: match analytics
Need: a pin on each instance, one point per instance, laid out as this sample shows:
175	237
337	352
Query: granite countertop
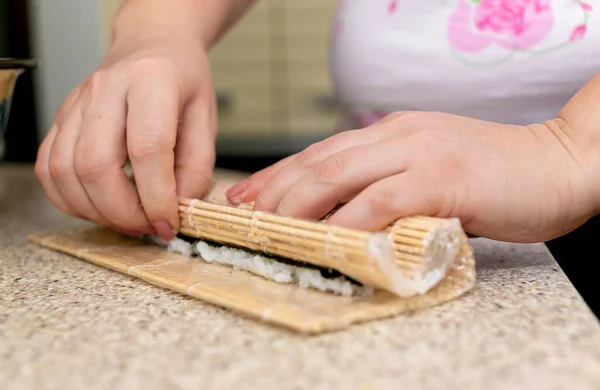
68	324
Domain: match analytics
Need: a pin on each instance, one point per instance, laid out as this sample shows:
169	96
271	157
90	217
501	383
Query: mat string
252	235
188	211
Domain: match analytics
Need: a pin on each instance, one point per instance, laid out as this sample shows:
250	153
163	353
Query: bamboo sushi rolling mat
412	240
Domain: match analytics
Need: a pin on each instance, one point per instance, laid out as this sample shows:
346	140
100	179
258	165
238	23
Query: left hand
514	183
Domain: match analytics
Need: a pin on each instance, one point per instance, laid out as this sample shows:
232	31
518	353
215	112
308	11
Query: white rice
266	267
180	246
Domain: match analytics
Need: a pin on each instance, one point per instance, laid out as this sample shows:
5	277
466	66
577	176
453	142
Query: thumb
403	195
195	149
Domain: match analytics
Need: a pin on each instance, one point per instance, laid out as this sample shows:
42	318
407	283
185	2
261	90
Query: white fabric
509	61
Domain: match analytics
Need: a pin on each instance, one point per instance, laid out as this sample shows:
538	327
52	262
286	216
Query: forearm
582	113
577	126
206	20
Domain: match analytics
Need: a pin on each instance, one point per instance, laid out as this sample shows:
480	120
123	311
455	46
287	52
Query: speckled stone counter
67	324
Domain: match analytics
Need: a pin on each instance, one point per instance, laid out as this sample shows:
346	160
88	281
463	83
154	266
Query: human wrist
140	22
202	21
577	159
580	121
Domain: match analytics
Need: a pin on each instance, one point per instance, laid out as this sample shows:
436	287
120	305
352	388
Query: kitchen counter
68	324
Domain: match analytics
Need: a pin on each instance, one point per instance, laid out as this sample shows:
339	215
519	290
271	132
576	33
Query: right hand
504	182
151	101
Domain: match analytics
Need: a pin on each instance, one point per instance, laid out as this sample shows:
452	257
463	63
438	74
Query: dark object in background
10	71
17	63
21	138
249	164
576	254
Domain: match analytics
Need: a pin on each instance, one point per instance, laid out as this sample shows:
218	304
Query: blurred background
271	74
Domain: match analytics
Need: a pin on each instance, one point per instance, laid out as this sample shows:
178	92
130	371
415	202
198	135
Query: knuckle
62	114
347	136
90	167
395	115
391	117
147	149
151	66
407	120
193	182
291	202
67	106
381	201
331	170
310	154
41	170
260	201
410	115
59	167
263	201
97	82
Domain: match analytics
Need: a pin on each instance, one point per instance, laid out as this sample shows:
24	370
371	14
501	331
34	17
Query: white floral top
509	61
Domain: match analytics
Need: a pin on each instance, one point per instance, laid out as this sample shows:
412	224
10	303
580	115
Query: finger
42	172
407	194
247	190
101	152
195	150
275	188
153	112
340	177
62	169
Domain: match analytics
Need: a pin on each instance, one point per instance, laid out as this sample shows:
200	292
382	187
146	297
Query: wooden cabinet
241	66
280	50
309	94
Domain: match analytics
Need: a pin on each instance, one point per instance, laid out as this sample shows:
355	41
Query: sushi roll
277	269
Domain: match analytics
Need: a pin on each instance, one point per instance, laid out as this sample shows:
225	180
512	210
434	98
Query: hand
151	101
513	183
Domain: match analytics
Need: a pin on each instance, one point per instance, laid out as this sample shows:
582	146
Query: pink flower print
578	33
392	7
508	23
587	7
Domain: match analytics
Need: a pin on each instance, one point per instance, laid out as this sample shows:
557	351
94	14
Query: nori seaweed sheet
325	272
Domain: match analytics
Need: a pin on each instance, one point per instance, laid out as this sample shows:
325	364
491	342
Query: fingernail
235	192
164	230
